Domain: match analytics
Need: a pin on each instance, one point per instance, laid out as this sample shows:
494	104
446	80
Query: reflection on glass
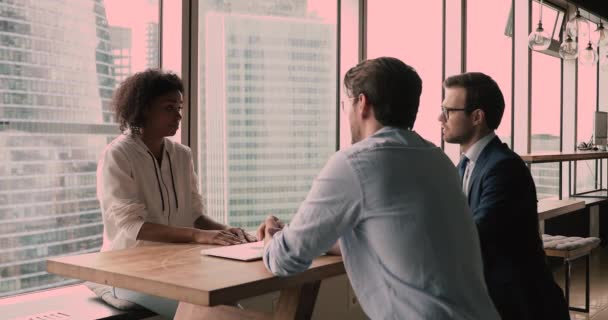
58	69
586	107
267	105
545	119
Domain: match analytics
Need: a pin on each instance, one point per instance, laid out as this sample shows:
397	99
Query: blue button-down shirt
409	243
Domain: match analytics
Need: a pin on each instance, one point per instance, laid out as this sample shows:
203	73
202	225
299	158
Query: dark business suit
502	197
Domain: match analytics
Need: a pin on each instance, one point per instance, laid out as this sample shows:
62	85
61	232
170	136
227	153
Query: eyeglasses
446	111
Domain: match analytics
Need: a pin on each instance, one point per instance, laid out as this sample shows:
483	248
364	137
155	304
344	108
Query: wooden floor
599	286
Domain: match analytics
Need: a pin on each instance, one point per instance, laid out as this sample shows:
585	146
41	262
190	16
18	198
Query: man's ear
365	107
478	117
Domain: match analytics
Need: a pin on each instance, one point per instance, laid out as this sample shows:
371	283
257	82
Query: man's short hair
392	87
482	92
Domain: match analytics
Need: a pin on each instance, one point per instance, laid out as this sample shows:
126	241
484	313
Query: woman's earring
136	130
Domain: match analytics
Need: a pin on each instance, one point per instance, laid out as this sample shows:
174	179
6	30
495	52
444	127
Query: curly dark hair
136	92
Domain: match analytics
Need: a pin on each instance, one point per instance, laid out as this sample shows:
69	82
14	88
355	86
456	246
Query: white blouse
132	188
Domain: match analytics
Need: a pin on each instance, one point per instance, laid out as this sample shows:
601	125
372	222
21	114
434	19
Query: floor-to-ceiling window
59	65
586	105
266	104
412	33
489	45
545	109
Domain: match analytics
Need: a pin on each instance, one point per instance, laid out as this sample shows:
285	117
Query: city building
56	82
121	42
152	49
262	148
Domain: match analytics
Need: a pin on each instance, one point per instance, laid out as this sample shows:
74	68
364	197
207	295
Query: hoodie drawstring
172	180
162	199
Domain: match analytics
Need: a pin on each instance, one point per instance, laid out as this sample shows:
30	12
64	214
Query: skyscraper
546	175
56	82
152	50
269	111
121	41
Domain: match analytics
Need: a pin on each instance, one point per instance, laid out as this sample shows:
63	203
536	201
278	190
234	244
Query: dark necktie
462	166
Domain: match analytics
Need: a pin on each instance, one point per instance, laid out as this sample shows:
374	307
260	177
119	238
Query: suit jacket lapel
479	168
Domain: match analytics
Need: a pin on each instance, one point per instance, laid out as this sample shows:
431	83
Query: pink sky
417	42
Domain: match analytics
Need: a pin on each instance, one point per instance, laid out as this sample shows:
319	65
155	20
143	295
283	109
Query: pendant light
539	40
600	35
577	26
588	57
568	50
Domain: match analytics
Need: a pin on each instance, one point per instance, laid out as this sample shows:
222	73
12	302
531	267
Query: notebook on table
244	252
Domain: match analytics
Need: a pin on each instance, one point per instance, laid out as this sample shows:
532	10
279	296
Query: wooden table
559	157
551	208
556	156
201	283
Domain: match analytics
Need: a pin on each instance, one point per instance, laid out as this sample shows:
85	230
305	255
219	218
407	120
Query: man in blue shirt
392	200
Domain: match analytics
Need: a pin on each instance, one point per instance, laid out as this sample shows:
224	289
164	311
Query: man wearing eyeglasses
393	201
502	196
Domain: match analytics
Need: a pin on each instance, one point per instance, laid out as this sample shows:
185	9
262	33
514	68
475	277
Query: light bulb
600	36
588	56
577	26
539	39
568	50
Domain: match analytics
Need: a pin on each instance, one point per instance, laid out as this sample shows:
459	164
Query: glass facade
586	105
267	105
59	64
152	39
56	81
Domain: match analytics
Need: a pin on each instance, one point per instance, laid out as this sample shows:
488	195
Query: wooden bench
570	249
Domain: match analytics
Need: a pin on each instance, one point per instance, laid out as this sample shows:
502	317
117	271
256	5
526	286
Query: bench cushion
567	243
569	248
107	295
77	302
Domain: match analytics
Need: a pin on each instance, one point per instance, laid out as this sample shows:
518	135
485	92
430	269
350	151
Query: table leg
297	303
188	311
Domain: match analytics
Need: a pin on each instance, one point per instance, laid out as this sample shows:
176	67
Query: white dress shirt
407	236
473	154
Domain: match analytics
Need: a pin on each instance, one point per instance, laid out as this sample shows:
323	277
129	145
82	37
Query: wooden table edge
93	275
196	296
569	208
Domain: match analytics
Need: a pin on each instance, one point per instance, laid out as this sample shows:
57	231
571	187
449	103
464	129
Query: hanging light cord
541	11
589	26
